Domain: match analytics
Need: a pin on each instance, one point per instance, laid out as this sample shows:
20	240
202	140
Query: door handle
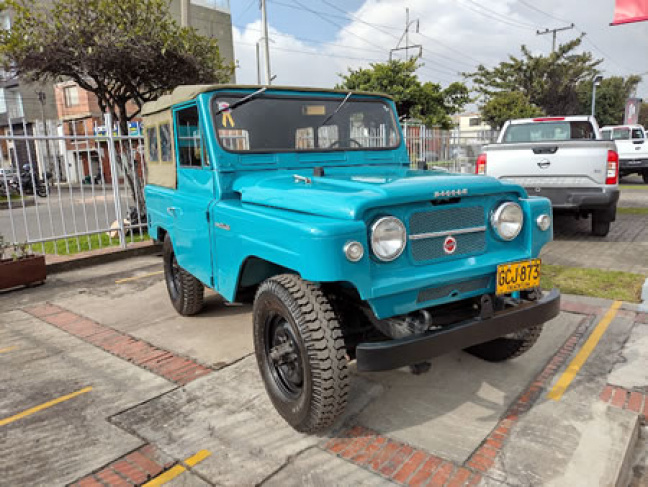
171	210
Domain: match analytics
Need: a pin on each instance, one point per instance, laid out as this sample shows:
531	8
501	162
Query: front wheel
644	175
186	292
41	191
507	347
300	352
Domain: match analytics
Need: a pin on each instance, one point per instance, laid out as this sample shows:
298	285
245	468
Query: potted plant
19	266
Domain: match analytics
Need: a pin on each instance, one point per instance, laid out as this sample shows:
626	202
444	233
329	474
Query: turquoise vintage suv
303	201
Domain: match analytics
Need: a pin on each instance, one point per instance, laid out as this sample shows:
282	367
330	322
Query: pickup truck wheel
300	352
186	292
600	224
507	347
644	175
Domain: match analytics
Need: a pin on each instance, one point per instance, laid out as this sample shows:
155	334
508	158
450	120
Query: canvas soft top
188	92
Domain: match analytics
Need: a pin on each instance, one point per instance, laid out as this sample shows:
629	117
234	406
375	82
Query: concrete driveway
102	383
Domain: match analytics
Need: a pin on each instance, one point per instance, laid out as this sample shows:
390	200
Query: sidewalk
566	413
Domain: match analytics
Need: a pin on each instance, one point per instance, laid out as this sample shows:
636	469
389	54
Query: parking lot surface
624	249
102	383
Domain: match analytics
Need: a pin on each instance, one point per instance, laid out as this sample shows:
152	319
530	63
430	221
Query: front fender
309	245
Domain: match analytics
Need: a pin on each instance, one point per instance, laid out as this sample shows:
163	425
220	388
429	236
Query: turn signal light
612	176
480	167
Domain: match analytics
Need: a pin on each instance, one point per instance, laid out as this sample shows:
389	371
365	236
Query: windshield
275	123
622	133
549	131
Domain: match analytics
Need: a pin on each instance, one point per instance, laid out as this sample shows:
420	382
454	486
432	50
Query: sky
313	41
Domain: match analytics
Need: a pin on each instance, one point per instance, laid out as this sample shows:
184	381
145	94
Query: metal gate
69	187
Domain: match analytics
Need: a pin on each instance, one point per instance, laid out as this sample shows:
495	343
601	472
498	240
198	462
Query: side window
637	134
190	145
165	142
153	149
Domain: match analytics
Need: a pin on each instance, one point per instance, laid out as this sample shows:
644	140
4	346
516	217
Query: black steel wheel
186	292
300	352
507	347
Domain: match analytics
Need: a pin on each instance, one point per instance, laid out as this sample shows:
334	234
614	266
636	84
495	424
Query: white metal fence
450	150
68	187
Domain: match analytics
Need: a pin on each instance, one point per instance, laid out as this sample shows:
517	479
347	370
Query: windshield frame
307	97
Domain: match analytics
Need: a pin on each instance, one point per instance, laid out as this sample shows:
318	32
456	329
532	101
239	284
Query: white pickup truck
632	147
562	158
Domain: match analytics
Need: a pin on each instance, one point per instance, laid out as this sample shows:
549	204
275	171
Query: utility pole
405	36
184	13
266	41
553	31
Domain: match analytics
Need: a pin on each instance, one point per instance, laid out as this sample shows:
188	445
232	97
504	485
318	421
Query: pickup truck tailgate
550	164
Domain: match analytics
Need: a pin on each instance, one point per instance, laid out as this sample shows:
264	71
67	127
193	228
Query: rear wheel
600	223
186	292
300	352
507	347
644	175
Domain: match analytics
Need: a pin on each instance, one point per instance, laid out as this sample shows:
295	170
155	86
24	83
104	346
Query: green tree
611	98
549	82
428	101
507	105
643	115
125	52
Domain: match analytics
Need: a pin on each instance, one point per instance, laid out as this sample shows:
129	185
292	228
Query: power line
543	12
249	6
495	16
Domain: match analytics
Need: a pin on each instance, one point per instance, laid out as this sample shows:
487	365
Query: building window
475	122
71	94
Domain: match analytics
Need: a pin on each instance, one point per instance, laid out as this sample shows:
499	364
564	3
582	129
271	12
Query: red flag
627	11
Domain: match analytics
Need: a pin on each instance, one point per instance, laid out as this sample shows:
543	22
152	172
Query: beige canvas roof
189	92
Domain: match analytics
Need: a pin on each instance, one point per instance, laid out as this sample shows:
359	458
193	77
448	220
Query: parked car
303	199
562	158
6	174
630	141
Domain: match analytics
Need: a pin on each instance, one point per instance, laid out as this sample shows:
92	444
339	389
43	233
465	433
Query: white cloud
463	35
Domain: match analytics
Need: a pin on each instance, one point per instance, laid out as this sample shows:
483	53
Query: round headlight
388	238
507	220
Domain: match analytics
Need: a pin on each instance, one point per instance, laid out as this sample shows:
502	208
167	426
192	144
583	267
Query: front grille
446	219
451	290
425	224
432	248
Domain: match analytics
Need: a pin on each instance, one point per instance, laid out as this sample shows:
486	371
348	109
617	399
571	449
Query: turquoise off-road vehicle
304	201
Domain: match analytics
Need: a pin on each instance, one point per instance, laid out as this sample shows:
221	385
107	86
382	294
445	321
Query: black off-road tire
507	348
600	224
644	175
309	383
186	292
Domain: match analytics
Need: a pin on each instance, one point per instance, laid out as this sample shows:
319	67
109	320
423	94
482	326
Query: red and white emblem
450	245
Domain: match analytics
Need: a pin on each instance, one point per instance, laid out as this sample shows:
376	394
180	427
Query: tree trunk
129	166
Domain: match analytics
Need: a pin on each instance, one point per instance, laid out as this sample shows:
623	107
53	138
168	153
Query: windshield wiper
240	102
339	107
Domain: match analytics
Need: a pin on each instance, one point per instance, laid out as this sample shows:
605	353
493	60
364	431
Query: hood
346	193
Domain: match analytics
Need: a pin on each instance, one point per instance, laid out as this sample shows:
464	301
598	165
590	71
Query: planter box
22	272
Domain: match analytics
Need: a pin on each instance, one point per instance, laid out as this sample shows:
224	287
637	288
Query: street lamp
596	82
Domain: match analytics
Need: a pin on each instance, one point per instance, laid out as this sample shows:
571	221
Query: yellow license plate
517	276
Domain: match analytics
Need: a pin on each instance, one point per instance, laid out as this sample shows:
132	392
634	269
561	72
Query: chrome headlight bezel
373	237
503	210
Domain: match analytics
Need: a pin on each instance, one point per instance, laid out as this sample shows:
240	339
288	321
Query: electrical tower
405	37
553	31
